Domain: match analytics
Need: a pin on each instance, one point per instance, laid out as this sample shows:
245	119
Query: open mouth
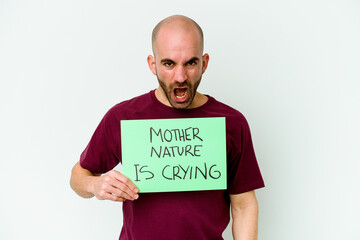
181	93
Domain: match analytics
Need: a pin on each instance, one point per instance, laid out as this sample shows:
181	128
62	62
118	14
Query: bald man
178	63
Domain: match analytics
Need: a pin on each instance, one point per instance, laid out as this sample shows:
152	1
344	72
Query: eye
192	62
168	64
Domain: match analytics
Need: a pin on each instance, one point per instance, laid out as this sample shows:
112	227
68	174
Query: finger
105	194
122	178
113	186
127	185
121	193
117	198
112	197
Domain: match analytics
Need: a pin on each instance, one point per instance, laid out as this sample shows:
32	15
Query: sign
166	155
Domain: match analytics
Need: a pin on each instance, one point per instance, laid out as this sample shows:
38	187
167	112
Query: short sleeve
244	171
103	151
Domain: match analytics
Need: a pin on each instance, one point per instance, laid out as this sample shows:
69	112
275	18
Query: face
178	65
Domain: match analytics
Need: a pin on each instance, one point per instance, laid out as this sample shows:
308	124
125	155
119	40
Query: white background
291	67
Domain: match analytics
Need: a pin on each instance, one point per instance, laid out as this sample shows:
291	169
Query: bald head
177	23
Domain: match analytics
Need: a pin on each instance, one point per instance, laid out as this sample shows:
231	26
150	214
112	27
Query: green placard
166	155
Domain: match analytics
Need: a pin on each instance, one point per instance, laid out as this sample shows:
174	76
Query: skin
112	186
178	64
244	211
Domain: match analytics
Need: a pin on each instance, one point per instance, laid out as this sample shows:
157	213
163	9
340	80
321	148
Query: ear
152	64
205	62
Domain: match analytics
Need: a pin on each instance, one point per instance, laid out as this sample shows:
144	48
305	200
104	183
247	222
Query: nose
180	74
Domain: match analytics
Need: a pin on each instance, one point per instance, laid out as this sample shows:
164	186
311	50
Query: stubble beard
190	88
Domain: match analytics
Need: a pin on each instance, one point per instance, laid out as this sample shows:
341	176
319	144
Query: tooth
182	95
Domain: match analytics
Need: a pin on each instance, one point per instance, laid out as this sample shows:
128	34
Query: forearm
245	211
81	181
245	223
110	186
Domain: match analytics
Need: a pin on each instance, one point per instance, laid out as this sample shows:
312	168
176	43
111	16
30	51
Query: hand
114	186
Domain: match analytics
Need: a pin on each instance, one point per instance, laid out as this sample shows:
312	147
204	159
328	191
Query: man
178	63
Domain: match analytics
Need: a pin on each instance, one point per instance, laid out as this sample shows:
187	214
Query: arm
111	186
244	210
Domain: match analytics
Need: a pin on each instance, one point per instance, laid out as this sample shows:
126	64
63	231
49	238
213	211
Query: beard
170	93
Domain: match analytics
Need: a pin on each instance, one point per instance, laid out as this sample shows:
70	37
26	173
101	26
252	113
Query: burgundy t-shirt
176	215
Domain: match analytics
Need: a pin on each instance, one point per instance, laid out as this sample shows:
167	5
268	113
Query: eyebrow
166	60
194	59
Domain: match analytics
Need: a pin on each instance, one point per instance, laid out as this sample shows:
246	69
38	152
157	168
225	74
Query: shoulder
233	116
127	108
